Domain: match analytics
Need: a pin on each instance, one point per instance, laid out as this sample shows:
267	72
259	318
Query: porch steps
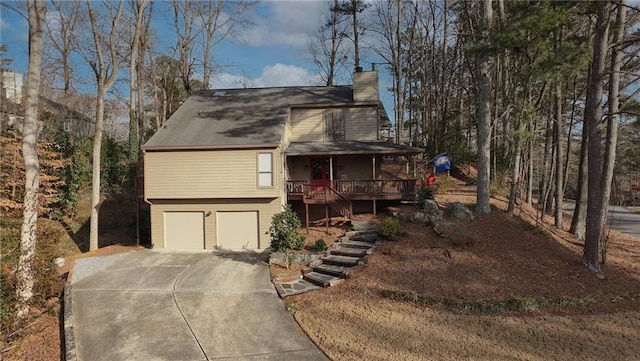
342	259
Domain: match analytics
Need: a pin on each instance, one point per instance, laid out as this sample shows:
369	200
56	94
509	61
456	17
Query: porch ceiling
350	147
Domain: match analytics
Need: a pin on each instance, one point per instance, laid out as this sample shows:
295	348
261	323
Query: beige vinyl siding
361	123
348	167
208	174
307	125
266	208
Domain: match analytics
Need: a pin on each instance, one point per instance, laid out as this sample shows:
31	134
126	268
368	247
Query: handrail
344	206
328	195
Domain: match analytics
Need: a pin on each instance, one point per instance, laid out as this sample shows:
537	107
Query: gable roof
239	118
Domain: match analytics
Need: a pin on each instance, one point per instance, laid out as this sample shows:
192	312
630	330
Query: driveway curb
69	336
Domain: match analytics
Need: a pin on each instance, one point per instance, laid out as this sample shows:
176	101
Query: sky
272	52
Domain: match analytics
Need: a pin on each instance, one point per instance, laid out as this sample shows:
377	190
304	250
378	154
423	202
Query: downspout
144	198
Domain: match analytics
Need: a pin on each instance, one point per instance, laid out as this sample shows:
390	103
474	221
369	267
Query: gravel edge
85	267
69	335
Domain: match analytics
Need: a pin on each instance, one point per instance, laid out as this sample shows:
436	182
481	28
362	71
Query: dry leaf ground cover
499	289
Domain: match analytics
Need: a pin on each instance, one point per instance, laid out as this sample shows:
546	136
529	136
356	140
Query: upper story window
334	125
265	169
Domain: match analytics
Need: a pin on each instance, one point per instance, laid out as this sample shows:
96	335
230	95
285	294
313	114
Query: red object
634	187
431	180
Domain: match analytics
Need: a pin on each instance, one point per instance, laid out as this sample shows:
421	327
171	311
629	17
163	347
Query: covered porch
325	172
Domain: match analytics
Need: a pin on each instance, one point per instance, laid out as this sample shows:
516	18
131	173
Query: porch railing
361	187
327	195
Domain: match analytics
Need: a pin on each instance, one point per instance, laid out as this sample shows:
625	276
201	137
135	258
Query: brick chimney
365	86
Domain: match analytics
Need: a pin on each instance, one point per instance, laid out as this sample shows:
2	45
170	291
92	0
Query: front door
320	173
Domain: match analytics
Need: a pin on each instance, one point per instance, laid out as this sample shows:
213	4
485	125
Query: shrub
319	246
391	228
422	195
284	231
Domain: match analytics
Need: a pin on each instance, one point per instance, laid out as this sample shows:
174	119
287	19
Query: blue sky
272	52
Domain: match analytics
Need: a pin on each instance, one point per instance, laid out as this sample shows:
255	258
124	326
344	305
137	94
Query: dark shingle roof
350	147
236	118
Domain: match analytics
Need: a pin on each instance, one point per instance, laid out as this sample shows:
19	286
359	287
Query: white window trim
260	172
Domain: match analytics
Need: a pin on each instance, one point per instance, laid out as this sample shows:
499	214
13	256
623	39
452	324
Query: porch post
373	161
306	213
374	208
326	215
331	169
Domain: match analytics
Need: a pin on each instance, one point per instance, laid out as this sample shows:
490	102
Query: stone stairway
342	258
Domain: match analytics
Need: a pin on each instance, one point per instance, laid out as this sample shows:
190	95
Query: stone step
333	270
351	252
368	238
343	260
356	244
370	233
321	279
364	225
295	287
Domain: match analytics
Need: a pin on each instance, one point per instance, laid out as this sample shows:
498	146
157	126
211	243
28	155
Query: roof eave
209	147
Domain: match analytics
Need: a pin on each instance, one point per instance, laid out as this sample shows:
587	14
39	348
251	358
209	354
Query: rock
431	206
458	210
443	228
428	217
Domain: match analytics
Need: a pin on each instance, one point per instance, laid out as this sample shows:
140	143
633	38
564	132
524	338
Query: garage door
184	230
236	230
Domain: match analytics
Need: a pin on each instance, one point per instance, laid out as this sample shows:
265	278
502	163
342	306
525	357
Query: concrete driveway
151	305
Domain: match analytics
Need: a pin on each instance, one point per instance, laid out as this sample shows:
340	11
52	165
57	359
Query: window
334	125
265	169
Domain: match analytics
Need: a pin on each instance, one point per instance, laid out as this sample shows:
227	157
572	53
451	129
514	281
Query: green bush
391	228
422	195
319	246
284	231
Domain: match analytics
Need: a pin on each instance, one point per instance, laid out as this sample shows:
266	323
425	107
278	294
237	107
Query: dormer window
334	125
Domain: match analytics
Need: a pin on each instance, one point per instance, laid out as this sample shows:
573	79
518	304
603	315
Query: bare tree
138	9
184	15
104	60
25	274
60	34
220	19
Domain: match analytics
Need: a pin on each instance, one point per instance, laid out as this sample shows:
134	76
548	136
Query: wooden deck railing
361	187
325	194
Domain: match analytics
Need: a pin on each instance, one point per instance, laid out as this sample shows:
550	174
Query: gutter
207	147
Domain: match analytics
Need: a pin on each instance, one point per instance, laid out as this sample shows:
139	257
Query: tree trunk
139	7
484	116
592	116
579	220
25	273
95	169
612	119
103	82
515	171
557	135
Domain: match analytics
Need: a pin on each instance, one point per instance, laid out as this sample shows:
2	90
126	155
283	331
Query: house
228	160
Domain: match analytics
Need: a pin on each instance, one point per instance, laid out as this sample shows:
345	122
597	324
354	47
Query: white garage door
237	230
184	230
